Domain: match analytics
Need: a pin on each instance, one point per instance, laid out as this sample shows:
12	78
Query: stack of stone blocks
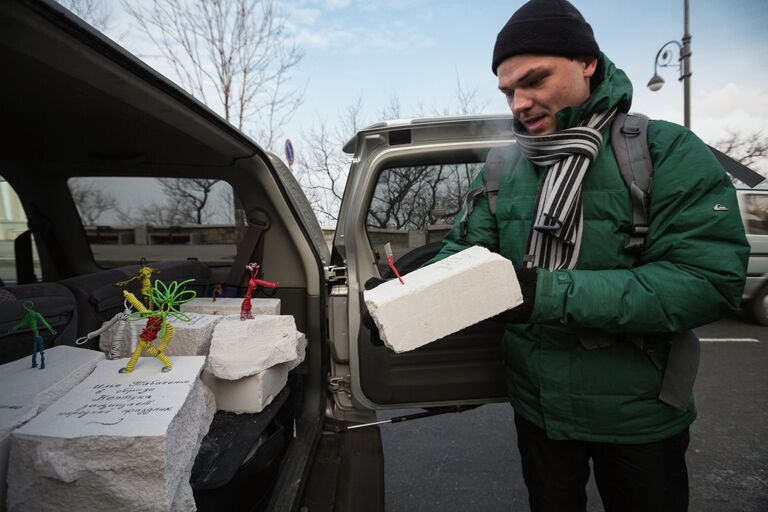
248	360
80	435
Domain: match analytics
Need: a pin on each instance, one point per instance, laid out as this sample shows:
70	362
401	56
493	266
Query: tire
759	306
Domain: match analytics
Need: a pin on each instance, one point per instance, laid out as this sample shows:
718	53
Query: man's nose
521	102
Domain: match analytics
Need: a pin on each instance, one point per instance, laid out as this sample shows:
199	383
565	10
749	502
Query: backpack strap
629	141
493	169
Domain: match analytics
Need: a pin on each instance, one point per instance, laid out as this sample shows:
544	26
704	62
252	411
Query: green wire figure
30	320
166	301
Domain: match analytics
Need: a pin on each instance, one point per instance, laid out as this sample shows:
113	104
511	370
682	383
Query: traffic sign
289	151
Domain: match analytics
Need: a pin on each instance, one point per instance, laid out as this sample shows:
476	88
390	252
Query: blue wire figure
30	320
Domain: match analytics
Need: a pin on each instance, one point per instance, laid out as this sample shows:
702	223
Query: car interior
77	108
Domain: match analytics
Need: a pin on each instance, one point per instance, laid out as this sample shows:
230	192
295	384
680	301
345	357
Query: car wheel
759	306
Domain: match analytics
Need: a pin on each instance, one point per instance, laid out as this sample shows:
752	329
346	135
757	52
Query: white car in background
754	213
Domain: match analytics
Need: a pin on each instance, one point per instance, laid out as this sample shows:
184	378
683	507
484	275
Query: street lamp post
664	60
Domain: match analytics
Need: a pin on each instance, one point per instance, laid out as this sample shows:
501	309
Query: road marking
731	340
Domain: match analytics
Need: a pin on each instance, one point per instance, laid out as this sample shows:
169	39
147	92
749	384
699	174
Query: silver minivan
80	111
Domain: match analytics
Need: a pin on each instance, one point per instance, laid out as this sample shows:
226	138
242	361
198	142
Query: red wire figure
217	290
253	282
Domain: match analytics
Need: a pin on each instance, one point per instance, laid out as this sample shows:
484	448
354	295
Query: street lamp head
655	83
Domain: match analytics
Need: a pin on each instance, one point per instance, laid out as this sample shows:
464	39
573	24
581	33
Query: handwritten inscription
126	399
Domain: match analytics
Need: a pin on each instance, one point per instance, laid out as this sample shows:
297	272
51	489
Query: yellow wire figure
144	276
166	300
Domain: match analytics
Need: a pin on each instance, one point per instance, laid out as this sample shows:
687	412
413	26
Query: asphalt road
469	461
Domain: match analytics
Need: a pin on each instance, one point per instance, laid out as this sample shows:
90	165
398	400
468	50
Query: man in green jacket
563	217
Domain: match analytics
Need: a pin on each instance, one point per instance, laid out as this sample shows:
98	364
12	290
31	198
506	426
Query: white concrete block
249	394
301	352
443	298
114	442
241	348
230	306
253	393
191	338
26	391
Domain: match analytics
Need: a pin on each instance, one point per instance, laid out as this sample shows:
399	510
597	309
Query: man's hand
527	278
373	283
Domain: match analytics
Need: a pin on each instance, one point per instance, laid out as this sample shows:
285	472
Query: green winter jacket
691	271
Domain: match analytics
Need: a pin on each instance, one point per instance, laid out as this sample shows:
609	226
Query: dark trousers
649	477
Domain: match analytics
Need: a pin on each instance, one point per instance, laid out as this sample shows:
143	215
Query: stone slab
253	393
443	298
240	348
114	442
230	306
191	338
25	391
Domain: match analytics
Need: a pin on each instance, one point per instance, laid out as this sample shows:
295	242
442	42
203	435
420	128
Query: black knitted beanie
545	27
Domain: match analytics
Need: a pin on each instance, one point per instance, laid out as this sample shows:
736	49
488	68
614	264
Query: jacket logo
720	208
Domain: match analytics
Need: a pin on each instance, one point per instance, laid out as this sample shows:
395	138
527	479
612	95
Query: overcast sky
416	49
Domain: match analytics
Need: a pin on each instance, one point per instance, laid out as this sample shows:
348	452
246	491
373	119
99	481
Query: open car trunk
76	106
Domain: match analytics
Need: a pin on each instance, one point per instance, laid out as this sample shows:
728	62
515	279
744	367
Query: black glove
367	319
527	278
373	283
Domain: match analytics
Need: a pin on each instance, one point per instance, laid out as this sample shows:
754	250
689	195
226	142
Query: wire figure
253	282
31	318
144	276
217	290
166	301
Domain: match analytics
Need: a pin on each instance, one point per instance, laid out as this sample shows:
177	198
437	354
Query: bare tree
466	102
165	213
405	198
237	52
226	205
235	56
408	198
188	197
749	149
322	168
95	12
91	202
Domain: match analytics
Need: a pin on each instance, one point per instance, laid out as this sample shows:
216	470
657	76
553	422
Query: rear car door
405	187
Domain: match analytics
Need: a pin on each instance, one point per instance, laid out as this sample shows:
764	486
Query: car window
13	222
416	205
160	219
756	213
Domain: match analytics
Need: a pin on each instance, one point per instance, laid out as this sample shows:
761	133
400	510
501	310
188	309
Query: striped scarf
555	240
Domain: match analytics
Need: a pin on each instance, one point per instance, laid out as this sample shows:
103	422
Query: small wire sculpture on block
166	301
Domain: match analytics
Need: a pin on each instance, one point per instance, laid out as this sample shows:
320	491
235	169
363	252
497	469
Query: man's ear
590	65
